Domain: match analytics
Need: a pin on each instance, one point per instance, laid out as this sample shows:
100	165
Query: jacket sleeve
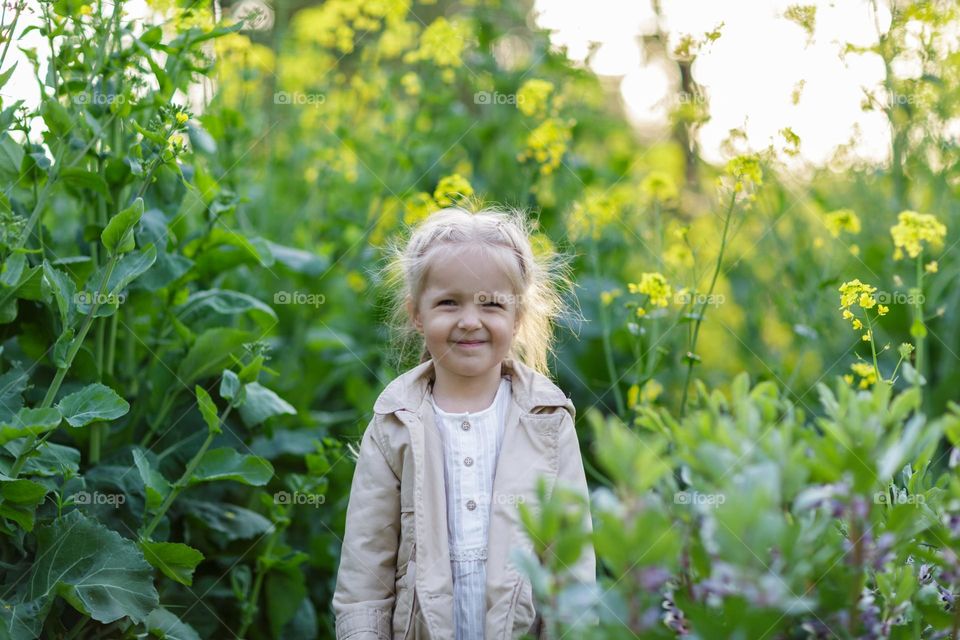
364	597
571	475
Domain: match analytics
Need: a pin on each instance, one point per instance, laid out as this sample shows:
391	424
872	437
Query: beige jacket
394	580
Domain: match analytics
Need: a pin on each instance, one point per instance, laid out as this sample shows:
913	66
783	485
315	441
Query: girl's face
467	312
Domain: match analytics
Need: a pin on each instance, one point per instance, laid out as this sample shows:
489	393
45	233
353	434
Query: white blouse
471	446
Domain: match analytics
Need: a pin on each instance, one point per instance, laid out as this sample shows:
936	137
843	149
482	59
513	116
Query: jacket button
468	462
471	505
465	425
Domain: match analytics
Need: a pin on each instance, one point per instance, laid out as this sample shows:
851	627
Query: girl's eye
494	304
443	302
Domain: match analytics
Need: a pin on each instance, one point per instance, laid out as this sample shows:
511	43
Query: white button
471	505
468	462
465	425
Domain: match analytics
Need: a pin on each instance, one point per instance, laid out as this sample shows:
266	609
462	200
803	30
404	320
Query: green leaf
94	402
226	463
208	410
211	352
156	487
56	117
23	620
12	268
12	385
64	291
20	500
163	624
86	180
262	403
209	304
229	521
98	571
177	561
29	422
5	76
117	237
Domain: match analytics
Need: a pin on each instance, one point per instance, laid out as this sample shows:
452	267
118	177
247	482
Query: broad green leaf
208	410
207	305
56	116
98	571
229	521
118	237
304	262
23	620
262	403
177	561
87	180
6	74
49	460
226	463
156	487
284	590
29	422
211	353
94	402
163	624
20	500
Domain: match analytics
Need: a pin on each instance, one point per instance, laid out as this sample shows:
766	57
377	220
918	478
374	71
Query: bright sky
749	74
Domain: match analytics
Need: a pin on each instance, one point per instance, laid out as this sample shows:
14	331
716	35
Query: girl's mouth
469	344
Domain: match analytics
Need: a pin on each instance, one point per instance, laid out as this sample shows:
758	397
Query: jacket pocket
405	592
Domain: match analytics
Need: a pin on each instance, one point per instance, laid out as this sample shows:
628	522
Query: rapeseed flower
533	97
547	143
452	188
842	220
913	230
655	286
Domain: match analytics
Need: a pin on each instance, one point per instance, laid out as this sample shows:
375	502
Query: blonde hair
538	278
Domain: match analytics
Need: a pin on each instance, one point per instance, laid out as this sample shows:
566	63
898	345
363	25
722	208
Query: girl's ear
414	316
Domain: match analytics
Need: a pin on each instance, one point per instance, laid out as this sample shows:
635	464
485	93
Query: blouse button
471	505
465	425
468	462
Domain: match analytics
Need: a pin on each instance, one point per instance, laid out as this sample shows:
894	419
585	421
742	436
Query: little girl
458	441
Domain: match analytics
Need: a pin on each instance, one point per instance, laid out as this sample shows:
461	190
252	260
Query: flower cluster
442	42
547	143
597	210
746	172
866	372
533	97
655	286
842	220
913	230
658	185
452	188
858	294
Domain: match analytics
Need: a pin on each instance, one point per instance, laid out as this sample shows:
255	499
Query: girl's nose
469	320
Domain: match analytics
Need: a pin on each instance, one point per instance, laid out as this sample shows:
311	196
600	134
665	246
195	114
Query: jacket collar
530	388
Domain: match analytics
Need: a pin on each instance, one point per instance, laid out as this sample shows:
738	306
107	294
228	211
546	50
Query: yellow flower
931	267
866	373
847	315
746	171
658	185
411	84
442	42
533	97
594	213
641	312
175	142
913	230
857	324
651	391
452	188
606	297
547	143
418	207
842	220
655	286
867	301
882	310
856	292
868	336
182	118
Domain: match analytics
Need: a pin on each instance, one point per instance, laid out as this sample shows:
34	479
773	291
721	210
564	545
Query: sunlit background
763	74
